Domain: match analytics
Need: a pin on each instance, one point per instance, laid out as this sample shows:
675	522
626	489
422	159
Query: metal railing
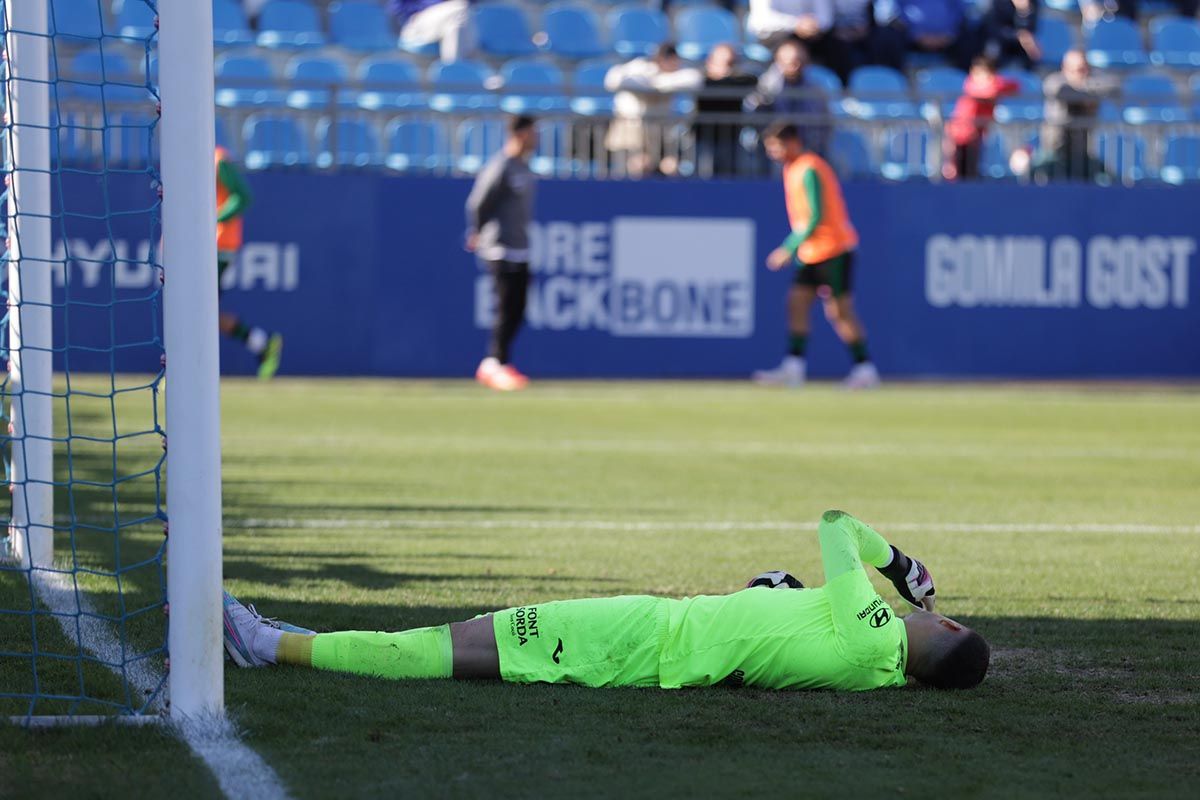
339	133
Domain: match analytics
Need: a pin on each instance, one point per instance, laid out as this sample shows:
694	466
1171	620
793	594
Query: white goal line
746	526
239	770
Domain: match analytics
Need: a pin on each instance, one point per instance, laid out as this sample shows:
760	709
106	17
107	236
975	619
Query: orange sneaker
486	370
518	378
501	377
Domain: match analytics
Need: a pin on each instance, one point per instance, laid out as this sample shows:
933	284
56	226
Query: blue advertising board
365	274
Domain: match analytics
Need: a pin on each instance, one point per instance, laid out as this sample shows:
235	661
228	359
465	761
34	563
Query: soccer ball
776	579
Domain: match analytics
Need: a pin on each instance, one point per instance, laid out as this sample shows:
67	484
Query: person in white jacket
643	88
773	22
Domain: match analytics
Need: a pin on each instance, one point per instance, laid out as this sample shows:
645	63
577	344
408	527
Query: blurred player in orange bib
233	198
821	246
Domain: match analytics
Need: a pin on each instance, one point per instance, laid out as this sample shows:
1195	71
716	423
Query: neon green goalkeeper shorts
610	641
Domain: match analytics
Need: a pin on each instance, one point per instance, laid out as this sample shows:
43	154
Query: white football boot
790	372
862	376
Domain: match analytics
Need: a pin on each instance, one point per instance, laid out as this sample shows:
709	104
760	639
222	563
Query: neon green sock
418	653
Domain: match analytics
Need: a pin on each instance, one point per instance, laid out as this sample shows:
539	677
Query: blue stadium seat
274	142
460	86
76	19
589	97
753	50
229	24
250	83
701	29
109	78
361	26
503	30
1175	42
1056	37
941	85
823	78
572	31
848	154
532	86
879	92
223	139
129	140
637	31
905	153
1123	153
1181	163
313	77
1028	105
136	20
389	83
347	143
1151	98
289	24
1115	43
476	142
414	145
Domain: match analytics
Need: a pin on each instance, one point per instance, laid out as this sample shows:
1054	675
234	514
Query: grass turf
372	504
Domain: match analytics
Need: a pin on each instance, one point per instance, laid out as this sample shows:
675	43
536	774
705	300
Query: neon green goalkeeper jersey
842	635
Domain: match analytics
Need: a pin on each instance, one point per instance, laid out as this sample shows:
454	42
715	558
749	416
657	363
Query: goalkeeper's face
944	653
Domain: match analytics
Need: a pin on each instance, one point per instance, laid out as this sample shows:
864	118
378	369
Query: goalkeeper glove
911	579
777	579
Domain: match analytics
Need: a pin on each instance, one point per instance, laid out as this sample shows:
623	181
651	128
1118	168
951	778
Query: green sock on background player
417	653
858	351
797	344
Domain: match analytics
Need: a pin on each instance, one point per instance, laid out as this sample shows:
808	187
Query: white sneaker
862	376
243	625
790	372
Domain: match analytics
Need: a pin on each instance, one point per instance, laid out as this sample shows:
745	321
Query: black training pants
510	282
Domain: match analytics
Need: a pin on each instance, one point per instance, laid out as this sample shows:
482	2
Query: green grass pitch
1061	522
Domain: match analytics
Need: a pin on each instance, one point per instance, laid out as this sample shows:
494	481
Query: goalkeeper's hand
776	579
911	579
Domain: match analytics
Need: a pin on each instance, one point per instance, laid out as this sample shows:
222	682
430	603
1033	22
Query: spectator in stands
725	89
447	22
643	88
253	8
1095	10
1010	31
1073	97
853	27
809	21
926	26
783	91
972	114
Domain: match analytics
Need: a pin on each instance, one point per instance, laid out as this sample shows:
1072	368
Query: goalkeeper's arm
846	543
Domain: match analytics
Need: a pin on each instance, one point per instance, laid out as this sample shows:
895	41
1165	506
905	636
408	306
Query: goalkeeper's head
943	653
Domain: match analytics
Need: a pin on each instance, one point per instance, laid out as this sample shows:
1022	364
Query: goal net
89	159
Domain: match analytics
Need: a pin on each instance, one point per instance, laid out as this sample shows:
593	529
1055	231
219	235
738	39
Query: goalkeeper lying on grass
840	636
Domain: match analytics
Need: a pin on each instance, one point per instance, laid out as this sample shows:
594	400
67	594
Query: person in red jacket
973	112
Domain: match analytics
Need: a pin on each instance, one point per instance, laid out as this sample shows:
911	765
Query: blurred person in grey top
1073	96
783	91
499	212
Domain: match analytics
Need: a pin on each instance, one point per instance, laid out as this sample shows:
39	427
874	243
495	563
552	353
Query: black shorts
837	273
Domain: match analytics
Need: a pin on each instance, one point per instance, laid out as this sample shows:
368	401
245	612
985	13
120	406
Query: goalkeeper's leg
613	641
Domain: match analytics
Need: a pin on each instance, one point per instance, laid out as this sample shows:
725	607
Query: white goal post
190	337
193	371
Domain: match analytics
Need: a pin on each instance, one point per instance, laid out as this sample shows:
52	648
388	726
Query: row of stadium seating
535	86
574	30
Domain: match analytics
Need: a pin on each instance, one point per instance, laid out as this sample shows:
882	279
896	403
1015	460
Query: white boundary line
289	523
240	772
